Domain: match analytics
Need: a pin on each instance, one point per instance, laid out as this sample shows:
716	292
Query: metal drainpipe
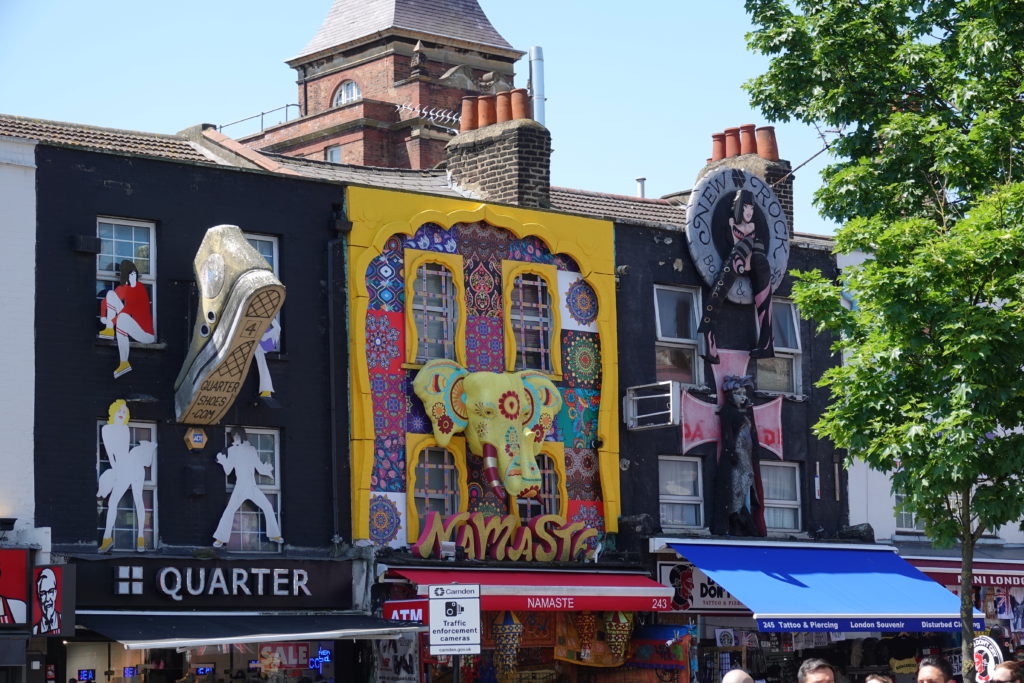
337	254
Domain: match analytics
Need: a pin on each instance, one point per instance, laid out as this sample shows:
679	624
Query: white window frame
272	490
547	501
520	320
903	515
787	504
697	500
348	91
111	275
451	493
794	355
149	486
274	264
333	154
421	312
682	342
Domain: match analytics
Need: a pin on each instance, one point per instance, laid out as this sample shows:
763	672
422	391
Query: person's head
934	669
743	206
118	412
815	671
877	678
1007	672
125	272
46	589
737	676
238	436
738	389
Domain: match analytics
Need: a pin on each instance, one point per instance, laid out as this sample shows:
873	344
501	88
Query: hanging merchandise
617	627
508	634
586	628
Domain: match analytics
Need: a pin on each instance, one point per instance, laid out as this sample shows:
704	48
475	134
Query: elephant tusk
491	471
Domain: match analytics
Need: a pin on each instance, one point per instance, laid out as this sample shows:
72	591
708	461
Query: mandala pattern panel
389	407
581	359
483	287
384	342
387	519
388	464
485	346
577	420
432	237
417	421
583	481
578	301
592	516
530	249
384	279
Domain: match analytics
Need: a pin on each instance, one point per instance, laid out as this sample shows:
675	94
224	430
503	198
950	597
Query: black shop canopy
147	630
794	587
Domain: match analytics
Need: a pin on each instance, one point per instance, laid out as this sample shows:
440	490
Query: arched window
436	482
435	312
532	322
547	501
347	92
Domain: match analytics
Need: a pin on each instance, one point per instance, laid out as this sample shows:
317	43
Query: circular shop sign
987	655
710	237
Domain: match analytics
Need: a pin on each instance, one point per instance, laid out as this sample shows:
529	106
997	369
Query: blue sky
629	93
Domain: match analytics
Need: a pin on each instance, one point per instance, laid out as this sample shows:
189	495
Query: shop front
766	606
159	620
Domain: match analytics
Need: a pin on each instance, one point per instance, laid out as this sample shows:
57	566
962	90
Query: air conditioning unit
652	406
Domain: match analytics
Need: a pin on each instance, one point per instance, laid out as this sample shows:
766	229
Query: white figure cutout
127	471
127	312
243	459
268	342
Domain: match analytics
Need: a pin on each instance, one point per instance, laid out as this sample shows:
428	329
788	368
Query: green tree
926	102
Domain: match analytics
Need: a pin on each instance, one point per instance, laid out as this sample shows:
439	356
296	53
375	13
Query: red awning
1008	573
539	590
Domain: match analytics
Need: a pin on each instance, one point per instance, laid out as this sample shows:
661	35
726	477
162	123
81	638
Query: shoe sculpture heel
238	298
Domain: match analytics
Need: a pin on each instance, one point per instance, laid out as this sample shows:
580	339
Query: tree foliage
926	100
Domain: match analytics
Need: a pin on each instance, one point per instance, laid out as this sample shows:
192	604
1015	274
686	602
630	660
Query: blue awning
790	588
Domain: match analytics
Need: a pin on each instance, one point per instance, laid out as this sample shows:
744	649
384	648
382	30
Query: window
333	154
531	321
437	483
435	312
250	529
347	92
676	320
782	373
266	245
126	522
679	489
906	520
781	495
547	501
120	240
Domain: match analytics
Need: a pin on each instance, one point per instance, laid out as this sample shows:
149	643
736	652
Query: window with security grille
121	240
437	483
532	322
249	525
128	526
435	312
546	501
781	495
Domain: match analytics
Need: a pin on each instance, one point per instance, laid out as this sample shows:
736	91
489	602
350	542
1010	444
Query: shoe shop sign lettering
143	583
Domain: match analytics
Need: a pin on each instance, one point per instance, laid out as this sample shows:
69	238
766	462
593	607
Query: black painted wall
74	379
656	256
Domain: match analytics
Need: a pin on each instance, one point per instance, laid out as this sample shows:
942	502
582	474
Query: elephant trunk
491	471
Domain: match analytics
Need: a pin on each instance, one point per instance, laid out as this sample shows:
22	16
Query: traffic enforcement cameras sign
454	619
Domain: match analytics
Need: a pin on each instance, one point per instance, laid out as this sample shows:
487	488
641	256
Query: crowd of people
932	669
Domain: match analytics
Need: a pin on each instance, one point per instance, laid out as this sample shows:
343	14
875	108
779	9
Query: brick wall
508	162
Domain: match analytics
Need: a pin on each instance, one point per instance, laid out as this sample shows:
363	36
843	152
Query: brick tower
380	83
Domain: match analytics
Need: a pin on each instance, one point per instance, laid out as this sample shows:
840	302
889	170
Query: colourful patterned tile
531	249
581	472
578	303
581	359
387	519
592	516
481	241
384	278
577	420
432	237
389	408
485	347
385	332
388	464
417	421
566	262
483	287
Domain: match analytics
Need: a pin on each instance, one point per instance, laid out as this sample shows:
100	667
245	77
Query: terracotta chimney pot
748	143
717	146
485	114
521	104
503	106
732	142
767	146
467	121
